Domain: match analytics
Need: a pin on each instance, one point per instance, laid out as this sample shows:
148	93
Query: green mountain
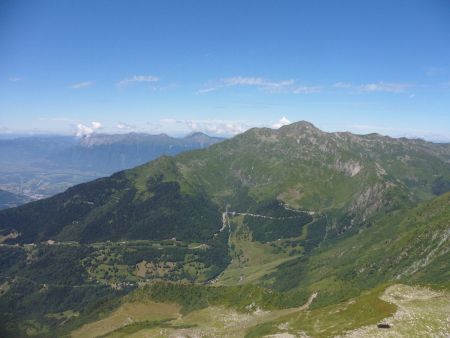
281	217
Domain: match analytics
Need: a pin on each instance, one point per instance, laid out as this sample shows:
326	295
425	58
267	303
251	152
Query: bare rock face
371	199
350	168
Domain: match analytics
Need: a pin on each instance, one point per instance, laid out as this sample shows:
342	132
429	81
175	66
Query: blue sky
224	66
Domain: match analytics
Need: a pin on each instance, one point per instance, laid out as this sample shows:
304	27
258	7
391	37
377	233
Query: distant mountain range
111	153
40	166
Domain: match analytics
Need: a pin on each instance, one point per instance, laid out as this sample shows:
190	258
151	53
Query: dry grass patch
127	314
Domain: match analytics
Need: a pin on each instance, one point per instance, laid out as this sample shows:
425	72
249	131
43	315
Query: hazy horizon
359	130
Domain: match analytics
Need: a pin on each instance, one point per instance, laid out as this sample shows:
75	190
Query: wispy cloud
386	87
291	86
15	79
87	130
218	127
125	126
266	85
207	90
259	83
137	79
342	85
307	89
81	85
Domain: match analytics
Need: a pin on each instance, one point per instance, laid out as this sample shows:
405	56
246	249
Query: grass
412	311
408	246
126	314
422	312
63	316
213	321
331	320
251	260
128	330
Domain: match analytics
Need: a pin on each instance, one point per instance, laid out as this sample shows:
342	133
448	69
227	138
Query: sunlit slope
411	245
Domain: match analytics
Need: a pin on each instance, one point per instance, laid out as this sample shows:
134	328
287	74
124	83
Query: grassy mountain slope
113	209
409	245
276	215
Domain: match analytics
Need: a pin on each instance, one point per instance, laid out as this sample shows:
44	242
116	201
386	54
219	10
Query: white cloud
96	125
342	85
259	83
82	85
209	126
217	127
206	90
282	122
136	79
307	89
15	79
125	126
381	86
384	87
87	130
